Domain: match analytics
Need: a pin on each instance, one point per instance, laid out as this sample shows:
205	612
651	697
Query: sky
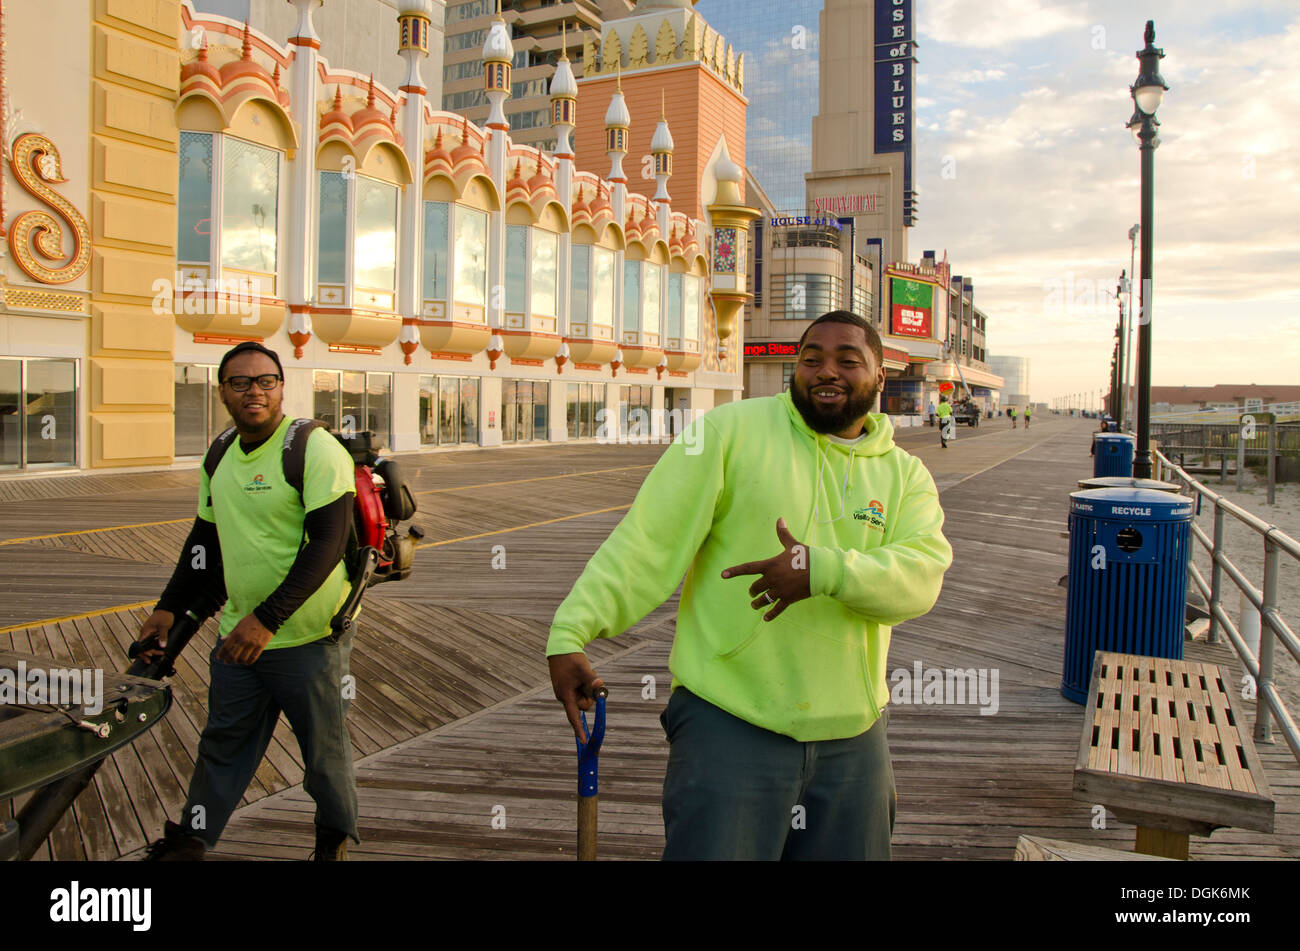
1030	181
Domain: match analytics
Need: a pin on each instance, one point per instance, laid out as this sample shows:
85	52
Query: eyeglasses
240	384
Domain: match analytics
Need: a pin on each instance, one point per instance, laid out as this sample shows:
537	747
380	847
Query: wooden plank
1033	848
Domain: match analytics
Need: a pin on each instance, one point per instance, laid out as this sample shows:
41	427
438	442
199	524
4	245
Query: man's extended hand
157	625
244	644
575	684
785	577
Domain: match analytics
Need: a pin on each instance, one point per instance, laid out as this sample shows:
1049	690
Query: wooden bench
1163	748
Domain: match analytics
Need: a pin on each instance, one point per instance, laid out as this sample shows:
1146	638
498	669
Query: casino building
209	180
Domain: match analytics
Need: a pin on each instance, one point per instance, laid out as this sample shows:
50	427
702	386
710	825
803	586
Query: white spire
617	116
725	170
563	82
498	48
663	139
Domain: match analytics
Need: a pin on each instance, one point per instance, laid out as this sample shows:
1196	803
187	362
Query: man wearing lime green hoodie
776	721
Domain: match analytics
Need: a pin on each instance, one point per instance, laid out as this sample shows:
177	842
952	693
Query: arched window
228	193
228	223
356	227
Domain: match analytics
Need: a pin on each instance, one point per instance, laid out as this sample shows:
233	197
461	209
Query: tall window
200	414
602	287
38	413
517	269
332	246
247	192
580	284
250	181
634	410
691	307
532	271
674	326
375	247
584	401
194	199
448	410
471	256
353	401
524	410
545	272
437	216
632	295
650	297
369	206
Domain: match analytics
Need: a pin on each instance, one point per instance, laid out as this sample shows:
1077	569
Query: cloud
1048	182
963	23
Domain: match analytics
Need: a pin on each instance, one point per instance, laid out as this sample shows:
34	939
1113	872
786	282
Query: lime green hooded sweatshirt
869	515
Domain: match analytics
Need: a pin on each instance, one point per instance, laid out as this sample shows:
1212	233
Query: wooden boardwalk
463	752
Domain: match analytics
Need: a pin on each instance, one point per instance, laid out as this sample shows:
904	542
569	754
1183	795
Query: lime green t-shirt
944	411
259	519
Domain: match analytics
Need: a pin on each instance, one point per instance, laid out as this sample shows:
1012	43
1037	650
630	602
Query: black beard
822	420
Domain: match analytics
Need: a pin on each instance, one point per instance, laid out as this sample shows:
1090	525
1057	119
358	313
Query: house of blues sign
895	57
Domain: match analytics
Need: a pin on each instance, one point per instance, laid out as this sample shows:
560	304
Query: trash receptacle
1114	454
1128	578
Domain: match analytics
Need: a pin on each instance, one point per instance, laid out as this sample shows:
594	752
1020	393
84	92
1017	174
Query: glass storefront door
38	412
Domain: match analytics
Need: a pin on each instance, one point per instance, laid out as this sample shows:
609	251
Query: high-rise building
540	29
780	40
1015	371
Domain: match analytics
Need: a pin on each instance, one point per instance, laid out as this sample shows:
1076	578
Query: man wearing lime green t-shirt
276	558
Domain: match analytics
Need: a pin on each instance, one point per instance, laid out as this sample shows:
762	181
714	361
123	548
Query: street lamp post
1148	91
1117	369
1128	330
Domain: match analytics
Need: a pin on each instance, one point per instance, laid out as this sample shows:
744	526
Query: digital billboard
911	308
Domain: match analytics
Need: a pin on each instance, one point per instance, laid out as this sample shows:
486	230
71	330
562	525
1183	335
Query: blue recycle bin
1114	454
1128	578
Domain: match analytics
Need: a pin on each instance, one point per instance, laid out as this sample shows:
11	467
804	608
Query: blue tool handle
588	784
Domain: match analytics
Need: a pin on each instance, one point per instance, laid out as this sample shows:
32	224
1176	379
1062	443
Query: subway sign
772	349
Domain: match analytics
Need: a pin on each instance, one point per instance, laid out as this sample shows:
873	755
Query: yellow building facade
175	182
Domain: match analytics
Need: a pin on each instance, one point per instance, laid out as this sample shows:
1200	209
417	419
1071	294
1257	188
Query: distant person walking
1012	413
946	426
931	412
1028	412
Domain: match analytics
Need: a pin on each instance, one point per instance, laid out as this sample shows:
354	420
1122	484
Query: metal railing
1272	626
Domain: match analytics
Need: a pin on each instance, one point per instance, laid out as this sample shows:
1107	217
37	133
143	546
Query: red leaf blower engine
376	551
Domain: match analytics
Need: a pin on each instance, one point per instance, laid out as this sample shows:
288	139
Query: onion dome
464	150
201	67
498	48
245	65
617	116
370	114
336	115
563	82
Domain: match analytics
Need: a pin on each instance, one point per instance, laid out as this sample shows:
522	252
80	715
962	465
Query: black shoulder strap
294	459
212	458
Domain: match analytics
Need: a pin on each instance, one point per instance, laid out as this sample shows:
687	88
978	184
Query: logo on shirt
873	513
257	485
